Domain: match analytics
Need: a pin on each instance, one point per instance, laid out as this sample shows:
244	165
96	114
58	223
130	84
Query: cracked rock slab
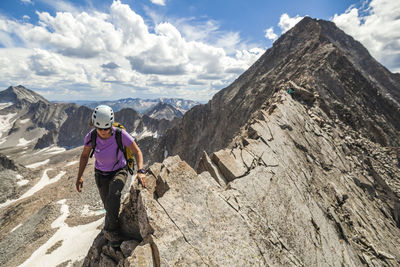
206	165
230	166
195	226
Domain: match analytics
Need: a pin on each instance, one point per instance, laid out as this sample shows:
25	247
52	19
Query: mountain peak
20	93
163	110
328	69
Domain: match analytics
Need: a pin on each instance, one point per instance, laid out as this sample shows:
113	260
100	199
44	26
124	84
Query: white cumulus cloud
44	63
158	2
116	54
376	26
286	22
270	34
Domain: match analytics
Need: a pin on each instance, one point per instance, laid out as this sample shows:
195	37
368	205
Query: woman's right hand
79	184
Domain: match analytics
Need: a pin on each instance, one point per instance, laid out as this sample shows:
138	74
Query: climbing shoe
112	236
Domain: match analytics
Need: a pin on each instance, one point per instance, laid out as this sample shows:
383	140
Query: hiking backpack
127	152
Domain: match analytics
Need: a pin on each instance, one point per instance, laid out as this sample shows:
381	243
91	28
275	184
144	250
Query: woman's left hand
142	178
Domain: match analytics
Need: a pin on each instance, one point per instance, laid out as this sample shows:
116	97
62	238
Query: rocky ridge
294	188
316	58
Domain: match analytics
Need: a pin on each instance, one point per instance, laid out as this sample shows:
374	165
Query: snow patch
51	150
59	222
75	242
38	164
44	181
8	202
55	150
5	105
145	133
24	121
23	142
21	181
72	163
6	122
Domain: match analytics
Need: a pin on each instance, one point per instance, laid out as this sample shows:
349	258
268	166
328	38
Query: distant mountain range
27	119
141	105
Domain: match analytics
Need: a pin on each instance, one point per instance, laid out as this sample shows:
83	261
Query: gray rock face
298	189
9	171
6	163
320	61
13	245
76	126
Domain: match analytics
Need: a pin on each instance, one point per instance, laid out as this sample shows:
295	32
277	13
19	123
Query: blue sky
92	49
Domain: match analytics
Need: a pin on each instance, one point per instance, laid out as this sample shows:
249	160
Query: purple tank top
106	151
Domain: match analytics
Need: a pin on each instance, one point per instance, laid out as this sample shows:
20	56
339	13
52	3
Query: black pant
110	185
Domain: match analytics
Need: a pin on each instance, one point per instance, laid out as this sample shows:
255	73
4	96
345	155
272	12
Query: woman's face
104	133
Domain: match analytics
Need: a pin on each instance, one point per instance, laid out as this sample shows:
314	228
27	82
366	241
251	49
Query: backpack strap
93	137
118	138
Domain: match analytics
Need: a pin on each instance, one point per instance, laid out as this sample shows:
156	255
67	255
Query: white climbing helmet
103	117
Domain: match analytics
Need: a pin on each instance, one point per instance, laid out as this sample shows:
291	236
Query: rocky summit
296	164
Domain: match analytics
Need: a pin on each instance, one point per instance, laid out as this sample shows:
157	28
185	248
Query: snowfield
24	121
5	105
38	164
51	150
67	245
6	123
44	181
144	133
23	142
